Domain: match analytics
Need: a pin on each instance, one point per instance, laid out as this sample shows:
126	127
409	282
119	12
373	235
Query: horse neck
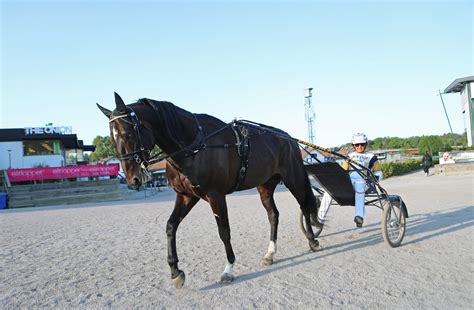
182	133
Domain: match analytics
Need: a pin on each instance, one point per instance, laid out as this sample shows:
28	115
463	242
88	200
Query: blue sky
375	66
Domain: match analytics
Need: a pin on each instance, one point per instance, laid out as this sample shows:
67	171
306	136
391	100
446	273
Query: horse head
133	139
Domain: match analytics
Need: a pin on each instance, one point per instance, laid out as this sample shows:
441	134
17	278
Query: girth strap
243	150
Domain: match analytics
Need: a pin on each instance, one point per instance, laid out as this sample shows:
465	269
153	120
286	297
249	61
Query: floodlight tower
309	114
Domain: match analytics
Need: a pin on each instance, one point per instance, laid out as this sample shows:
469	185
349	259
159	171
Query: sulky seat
335	181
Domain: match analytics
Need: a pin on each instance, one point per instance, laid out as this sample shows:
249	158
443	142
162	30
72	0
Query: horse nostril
136	182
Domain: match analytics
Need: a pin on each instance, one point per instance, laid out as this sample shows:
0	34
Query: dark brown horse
208	159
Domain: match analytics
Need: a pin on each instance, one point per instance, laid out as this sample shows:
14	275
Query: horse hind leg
300	188
266	191
183	205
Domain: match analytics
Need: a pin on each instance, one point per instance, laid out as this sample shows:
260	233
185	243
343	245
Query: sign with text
35	174
48	130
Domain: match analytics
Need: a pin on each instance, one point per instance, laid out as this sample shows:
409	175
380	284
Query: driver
366	159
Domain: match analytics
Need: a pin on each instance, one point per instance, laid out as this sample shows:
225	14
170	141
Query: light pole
9	159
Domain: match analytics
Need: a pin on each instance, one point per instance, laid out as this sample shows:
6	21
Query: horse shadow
303	258
430	225
308	256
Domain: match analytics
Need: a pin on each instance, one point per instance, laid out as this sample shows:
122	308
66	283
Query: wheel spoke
393	223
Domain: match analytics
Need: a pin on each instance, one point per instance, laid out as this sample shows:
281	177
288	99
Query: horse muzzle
135	182
138	180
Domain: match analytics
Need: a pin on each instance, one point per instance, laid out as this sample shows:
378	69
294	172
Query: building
393	155
50	146
312	156
158	172
465	86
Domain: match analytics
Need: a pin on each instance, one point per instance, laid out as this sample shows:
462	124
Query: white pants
359	185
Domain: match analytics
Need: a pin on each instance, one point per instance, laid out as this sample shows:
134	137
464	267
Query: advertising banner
34	174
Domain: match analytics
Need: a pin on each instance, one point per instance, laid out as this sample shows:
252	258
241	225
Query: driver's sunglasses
360	144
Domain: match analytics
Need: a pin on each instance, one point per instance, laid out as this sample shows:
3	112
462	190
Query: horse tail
295	177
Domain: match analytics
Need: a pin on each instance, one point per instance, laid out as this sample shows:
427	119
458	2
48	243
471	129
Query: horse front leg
266	196
219	207
183	204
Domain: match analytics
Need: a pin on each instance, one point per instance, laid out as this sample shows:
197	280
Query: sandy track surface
113	255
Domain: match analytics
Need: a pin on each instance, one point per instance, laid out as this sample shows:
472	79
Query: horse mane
170	119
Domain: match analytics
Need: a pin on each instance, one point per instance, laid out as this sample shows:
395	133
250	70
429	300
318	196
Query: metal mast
309	114
446	113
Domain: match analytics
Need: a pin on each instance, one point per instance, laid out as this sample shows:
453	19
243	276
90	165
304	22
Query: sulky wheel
393	223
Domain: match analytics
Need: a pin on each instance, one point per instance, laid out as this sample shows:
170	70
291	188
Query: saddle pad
335	181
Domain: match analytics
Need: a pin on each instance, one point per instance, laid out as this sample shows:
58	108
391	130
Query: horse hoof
179	280
266	261
314	245
227	278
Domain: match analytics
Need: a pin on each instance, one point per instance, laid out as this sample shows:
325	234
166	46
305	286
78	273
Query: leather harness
141	156
242	137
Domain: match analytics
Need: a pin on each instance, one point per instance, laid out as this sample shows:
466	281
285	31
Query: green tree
432	144
103	148
156	150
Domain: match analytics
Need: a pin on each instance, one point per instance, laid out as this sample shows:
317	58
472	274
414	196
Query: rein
141	154
193	149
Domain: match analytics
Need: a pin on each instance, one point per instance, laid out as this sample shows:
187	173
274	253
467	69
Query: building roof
69	141
161	165
458	84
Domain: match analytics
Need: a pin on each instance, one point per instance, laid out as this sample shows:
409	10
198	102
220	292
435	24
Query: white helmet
359	138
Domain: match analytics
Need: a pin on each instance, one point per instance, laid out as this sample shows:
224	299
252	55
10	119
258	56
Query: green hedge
397	168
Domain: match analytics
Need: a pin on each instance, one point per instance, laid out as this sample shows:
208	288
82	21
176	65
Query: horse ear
104	110
120	104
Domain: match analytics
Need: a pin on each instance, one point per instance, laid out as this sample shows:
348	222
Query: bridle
141	155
